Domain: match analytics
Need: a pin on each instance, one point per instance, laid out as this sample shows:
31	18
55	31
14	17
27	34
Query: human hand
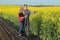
35	12
26	16
22	17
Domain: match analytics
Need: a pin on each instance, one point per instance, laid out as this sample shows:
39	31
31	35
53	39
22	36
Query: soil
8	32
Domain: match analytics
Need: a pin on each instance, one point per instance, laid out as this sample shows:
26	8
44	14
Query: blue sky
30	2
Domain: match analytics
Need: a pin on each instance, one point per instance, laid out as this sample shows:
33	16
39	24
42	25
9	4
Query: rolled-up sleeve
32	12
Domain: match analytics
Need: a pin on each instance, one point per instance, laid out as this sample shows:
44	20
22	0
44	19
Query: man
27	13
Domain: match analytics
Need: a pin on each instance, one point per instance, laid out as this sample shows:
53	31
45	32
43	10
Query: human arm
33	12
25	16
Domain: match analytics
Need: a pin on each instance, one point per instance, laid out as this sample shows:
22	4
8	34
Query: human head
25	6
21	9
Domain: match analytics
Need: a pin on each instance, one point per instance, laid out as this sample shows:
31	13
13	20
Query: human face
25	7
21	9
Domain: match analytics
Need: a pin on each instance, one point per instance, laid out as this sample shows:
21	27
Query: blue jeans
21	28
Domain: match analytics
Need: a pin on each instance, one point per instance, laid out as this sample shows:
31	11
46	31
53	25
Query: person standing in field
21	19
27	13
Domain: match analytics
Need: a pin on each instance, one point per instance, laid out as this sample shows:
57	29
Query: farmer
27	12
21	19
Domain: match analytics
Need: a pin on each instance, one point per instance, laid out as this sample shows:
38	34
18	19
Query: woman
21	19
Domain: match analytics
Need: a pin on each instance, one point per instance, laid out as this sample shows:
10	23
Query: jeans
27	27
21	28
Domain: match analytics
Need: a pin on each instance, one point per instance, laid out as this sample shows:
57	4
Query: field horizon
32	5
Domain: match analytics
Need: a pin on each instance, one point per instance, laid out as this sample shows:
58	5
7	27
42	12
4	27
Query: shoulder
20	13
28	10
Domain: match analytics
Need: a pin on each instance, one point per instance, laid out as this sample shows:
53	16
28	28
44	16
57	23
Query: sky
30	2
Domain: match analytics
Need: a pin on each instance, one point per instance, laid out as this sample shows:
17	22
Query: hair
25	5
21	13
21	8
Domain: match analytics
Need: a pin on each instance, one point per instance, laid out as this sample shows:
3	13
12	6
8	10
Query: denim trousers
21	27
